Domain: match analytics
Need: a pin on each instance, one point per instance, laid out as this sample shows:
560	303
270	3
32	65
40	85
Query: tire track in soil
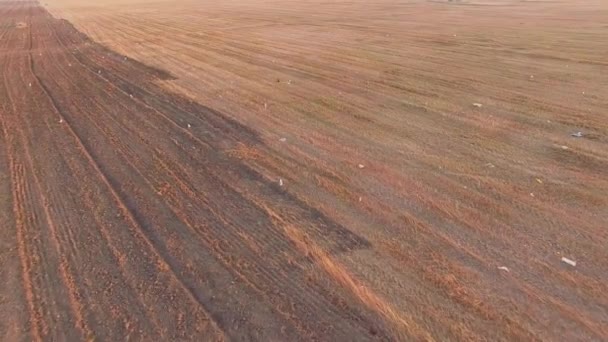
66	259
84	150
129	259
13	319
27	258
154	172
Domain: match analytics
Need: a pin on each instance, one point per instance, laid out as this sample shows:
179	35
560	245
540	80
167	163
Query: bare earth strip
303	170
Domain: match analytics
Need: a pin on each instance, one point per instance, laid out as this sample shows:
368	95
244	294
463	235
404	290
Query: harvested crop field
304	170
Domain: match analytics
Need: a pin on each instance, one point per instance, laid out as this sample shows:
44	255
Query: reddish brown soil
129	212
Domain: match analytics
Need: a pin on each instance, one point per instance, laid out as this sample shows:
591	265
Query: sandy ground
306	170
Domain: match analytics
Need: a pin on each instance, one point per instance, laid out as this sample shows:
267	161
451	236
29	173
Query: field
304	170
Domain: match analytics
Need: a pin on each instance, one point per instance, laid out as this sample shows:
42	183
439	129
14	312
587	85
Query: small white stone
569	261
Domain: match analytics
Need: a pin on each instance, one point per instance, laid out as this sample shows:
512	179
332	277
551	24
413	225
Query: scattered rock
569	261
564	147
283	139
280	181
504	268
490	165
539	181
189	126
361	166
61	120
532	194
478	105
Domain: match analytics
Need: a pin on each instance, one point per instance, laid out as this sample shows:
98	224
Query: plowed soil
280	171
